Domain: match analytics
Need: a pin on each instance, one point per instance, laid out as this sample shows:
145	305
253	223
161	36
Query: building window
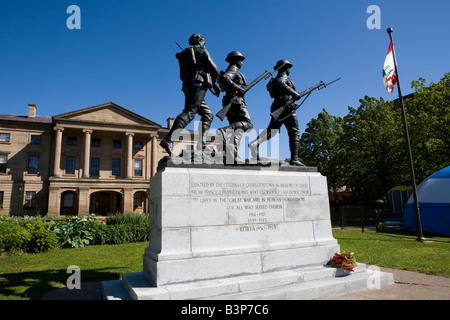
137	200
33	164
35	139
70	165
95	142
116	166
3	162
1	199
30	199
68	200
138	167
72	141
117	143
94	166
138	145
4	137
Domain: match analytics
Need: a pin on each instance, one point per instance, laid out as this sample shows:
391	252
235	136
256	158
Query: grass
29	276
397	250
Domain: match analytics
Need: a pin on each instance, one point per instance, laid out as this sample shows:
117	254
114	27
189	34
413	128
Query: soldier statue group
199	73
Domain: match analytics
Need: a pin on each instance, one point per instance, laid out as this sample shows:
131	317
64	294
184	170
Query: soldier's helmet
234	55
286	63
195	39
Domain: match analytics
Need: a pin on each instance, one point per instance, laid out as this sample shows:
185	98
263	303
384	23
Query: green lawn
398	250
29	276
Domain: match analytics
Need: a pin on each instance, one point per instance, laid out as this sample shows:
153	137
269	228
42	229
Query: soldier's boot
294	154
234	148
230	147
254	145
202	143
167	143
222	133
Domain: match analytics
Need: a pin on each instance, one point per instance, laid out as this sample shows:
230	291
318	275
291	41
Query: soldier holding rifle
282	89
198	73
233	82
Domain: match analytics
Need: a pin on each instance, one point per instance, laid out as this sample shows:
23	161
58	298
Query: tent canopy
434	204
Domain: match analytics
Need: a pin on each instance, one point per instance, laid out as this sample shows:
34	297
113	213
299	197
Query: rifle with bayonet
222	113
293	106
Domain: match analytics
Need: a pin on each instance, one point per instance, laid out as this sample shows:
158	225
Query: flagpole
408	144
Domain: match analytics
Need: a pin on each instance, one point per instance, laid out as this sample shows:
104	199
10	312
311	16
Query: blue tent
434	204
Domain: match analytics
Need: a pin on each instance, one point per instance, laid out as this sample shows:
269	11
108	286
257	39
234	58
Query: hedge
38	234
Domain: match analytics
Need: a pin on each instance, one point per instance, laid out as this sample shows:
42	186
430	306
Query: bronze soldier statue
283	91
233	82
198	73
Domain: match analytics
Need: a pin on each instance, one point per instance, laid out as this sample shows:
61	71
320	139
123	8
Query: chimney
31	110
170	122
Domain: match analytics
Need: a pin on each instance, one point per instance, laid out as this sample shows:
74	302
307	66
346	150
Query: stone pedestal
227	231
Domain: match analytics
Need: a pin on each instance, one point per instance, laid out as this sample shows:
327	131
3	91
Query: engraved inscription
251	202
262	227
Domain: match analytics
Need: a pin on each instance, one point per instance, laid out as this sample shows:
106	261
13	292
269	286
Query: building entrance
105	202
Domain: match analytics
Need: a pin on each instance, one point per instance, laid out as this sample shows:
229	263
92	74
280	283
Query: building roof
115	114
21	118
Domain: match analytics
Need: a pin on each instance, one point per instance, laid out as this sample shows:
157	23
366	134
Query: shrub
125	233
127	218
76	232
13	237
41	239
33	237
37	234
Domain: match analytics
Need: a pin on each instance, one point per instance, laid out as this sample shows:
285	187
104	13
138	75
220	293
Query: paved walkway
408	286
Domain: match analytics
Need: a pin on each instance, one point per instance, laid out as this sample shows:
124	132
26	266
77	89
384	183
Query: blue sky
125	52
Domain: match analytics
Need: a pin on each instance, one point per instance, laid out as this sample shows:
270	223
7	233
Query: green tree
373	137
320	146
428	114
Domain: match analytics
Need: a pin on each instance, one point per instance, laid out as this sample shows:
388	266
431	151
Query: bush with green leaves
76	232
32	237
37	234
41	239
125	233
13	237
125	228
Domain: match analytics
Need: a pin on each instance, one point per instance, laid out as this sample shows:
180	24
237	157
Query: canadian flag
389	74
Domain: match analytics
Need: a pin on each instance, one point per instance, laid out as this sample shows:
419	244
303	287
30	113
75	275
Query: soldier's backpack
186	59
271	88
219	78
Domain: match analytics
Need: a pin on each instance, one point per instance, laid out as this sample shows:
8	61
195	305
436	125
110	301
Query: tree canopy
366	149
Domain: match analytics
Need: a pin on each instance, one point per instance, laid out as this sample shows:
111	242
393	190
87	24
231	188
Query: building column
154	154
87	152
54	200
129	154
83	201
58	146
128	198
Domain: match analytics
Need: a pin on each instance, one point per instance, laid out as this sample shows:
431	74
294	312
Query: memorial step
304	283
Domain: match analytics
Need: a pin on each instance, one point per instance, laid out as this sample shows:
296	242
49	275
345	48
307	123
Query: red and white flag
389	74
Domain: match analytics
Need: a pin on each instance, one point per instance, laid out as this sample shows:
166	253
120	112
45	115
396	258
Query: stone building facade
25	143
93	160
